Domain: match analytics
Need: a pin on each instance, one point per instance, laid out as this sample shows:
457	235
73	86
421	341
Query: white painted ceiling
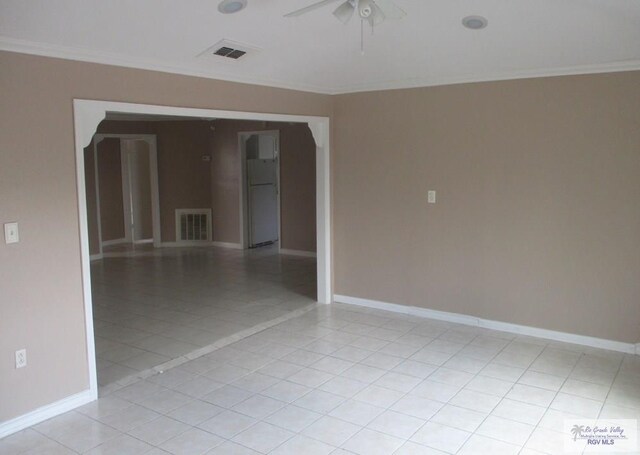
316	52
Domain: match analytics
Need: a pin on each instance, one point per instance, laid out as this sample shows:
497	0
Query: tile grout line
200	352
501	398
555	396
449	327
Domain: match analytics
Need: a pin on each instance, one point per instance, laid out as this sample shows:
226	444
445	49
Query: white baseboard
235	246
306	254
95	257
179	244
565	337
114	242
46	412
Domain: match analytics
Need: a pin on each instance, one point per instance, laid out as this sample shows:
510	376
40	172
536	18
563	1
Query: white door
137	190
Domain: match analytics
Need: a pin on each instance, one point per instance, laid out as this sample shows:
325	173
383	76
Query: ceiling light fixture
475	22
231	6
344	12
365	8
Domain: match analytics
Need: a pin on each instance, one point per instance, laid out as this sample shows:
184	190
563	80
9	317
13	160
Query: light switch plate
21	358
11	233
431	197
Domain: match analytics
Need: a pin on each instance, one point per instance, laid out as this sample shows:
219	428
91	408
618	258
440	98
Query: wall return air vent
229	50
193	226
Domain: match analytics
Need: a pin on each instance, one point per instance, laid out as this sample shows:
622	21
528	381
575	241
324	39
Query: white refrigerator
262	181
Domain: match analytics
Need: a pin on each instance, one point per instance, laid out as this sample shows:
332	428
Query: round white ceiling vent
231	6
475	22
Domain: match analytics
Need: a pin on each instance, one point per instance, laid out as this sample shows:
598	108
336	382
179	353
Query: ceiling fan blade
309	8
377	16
344	12
390	9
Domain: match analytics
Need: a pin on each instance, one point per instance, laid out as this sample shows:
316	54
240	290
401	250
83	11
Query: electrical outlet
21	358
431	197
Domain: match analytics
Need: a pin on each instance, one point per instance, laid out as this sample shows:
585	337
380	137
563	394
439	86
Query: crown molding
611	67
91	56
105	58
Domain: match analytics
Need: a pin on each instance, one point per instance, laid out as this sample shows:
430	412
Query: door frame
87	114
153	168
244	186
128	181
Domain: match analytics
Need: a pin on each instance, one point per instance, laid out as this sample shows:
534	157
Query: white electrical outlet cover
431	197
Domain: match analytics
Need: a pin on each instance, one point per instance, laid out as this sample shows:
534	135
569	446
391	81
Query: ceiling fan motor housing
365	8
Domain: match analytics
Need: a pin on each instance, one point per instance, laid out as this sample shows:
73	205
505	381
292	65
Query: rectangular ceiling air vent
224	51
229	50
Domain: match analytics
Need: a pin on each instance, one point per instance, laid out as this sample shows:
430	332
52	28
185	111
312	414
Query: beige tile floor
151	306
347	380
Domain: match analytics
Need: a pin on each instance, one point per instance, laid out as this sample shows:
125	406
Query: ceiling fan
371	11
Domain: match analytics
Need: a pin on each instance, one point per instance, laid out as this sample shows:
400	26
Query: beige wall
38	189
184	179
225	180
297	188
297	182
537	220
